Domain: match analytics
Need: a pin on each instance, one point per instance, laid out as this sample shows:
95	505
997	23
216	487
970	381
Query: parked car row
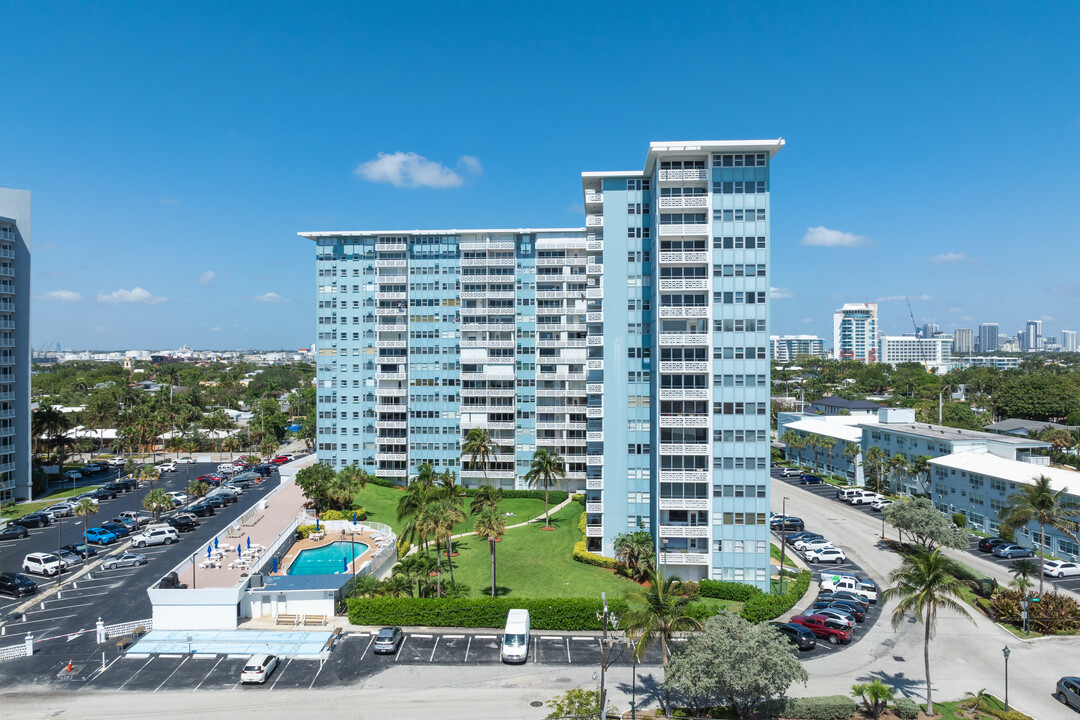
814	547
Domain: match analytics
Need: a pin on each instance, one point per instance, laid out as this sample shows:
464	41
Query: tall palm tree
920	468
655	614
791	440
97	415
485	497
149	473
873	460
636	550
490	526
546	471
897	466
84	509
827	444
922	584
480	449
1038	503
445	514
348	481
410	509
852	451
157	502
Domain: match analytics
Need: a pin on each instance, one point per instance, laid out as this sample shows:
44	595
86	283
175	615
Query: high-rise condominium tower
988	337
636	347
855	332
15	481
963	340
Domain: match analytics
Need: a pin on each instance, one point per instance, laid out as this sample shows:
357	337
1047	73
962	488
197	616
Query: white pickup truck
849	583
864	497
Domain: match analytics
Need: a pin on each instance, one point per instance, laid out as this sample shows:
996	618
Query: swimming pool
328	559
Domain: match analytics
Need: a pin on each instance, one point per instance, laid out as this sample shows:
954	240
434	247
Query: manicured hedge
582	555
905	709
725	590
544	613
827	707
760	608
383	482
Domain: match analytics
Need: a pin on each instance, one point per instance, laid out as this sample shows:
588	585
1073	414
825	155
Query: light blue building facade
635	347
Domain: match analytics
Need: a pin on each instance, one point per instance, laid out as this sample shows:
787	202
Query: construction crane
913	323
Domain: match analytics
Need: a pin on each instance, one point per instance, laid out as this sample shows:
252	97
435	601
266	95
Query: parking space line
426	637
453	637
583	638
209	673
316	675
67	607
150	660
62	617
433	648
550	637
172	673
402	647
484	637
568	660
280	673
370	643
467	647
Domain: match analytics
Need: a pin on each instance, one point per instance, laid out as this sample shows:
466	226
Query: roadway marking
469	645
62	617
433	649
426	637
171	674
584	638
402	647
370	643
568	660
134	674
67	607
453	637
321	663
484	637
280	673
551	637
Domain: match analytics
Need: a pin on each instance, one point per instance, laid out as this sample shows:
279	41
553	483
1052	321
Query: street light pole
605	616
1005	651
783	543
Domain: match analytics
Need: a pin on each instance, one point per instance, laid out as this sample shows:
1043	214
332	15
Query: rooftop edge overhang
690	148
428	233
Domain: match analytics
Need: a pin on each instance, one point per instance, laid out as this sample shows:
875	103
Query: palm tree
897	466
148	473
791	440
410	508
397	586
922	584
920	468
851	454
157	502
655	614
490	526
827	444
84	509
546	471
636	550
415	568
97	415
214	421
485	497
480	449
1038	503
873	460
348	481
197	488
445	514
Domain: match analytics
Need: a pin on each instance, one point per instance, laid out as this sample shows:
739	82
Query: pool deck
359	534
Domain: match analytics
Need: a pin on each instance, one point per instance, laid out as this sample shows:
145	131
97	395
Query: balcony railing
594	531
696	366
684	229
594	221
684	393
691	174
688	421
593	198
683	257
684	503
688	201
684	449
684	284
675	339
697	531
684	312
670	557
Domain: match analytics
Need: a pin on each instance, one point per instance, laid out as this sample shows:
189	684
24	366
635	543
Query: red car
824	627
280	460
211	479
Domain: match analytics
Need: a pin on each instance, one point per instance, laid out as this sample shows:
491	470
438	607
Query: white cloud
206	278
100	328
61	296
270	297
956	309
215	329
1047	318
136	295
899	298
170	201
807	320
949	257
776	293
824	237
407	169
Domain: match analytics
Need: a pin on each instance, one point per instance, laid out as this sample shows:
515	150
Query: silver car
125	560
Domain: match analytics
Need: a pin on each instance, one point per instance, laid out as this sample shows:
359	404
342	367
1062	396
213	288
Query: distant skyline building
930	330
963	341
15	475
855	330
1068	341
934	353
785	348
1032	340
635	347
988	337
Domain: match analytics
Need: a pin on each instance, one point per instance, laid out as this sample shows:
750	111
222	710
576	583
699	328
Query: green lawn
531	562
17	511
717	604
953	711
381	505
774	551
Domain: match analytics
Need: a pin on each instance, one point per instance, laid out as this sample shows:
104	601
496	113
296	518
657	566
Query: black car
103	493
32	520
80	549
116	487
116	529
797	635
843	606
17	585
13	532
182	524
201	509
793	538
846	597
988	544
266	469
216	500
128	484
788	524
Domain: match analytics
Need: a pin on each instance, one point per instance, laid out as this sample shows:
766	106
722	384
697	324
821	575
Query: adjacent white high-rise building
786	348
988	337
963	340
855	332
15	475
934	353
1032	337
1068	341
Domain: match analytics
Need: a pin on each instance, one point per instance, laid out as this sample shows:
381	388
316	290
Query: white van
515	644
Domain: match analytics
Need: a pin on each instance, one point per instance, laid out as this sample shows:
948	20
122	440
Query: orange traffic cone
69	665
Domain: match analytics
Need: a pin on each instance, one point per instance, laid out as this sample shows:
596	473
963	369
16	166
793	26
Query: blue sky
175	149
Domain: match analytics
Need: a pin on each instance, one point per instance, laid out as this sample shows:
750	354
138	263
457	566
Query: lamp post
783	542
663	553
606	617
1006	652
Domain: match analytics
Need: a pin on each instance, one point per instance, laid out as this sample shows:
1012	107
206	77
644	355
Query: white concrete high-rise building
988	337
14	345
855	332
963	340
934	353
785	348
1068	341
1033	337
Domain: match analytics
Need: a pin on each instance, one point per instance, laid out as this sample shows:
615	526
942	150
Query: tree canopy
918	517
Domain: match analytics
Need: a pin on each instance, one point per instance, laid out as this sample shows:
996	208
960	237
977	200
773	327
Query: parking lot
829	491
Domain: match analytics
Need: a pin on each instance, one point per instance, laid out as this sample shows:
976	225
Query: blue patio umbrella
275	564
344	564
249	542
215	543
316	524
354	518
239	550
207	552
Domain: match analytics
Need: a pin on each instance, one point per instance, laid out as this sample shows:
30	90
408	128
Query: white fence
377	563
12	652
128	627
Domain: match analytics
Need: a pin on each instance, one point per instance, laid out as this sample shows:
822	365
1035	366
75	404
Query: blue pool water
326	560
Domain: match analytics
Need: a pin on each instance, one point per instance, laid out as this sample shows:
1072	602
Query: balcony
488	295
684	393
391	376
572	261
594	317
594	388
7	271
677	339
594	507
685	449
684	476
670	557
390	457
487	327
488	392
697	366
594	293
387	263
392	472
684	531
390	296
688	421
594	412
594	484
489	343
684	312
684	503
683	257
594	221
391	425
7	252
595	436
675	175
391	247
390	311
595	364
391	392
687	201
595	244
593	198
491	474
684	284
684	229
594	531
391	343
594	460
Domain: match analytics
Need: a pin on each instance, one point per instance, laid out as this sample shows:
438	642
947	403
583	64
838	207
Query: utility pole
605	644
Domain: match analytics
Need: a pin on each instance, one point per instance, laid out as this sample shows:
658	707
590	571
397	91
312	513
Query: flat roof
985	463
691	147
423	233
1020	424
941	432
831	428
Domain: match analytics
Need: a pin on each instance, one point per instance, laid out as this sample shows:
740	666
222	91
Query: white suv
155	536
116	462
167	466
43	564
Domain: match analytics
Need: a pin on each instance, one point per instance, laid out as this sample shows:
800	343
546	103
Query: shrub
905	709
557	496
985	587
383	482
545	613
305	530
959	520
828	707
582	555
1053	614
725	590
762	607
334	515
